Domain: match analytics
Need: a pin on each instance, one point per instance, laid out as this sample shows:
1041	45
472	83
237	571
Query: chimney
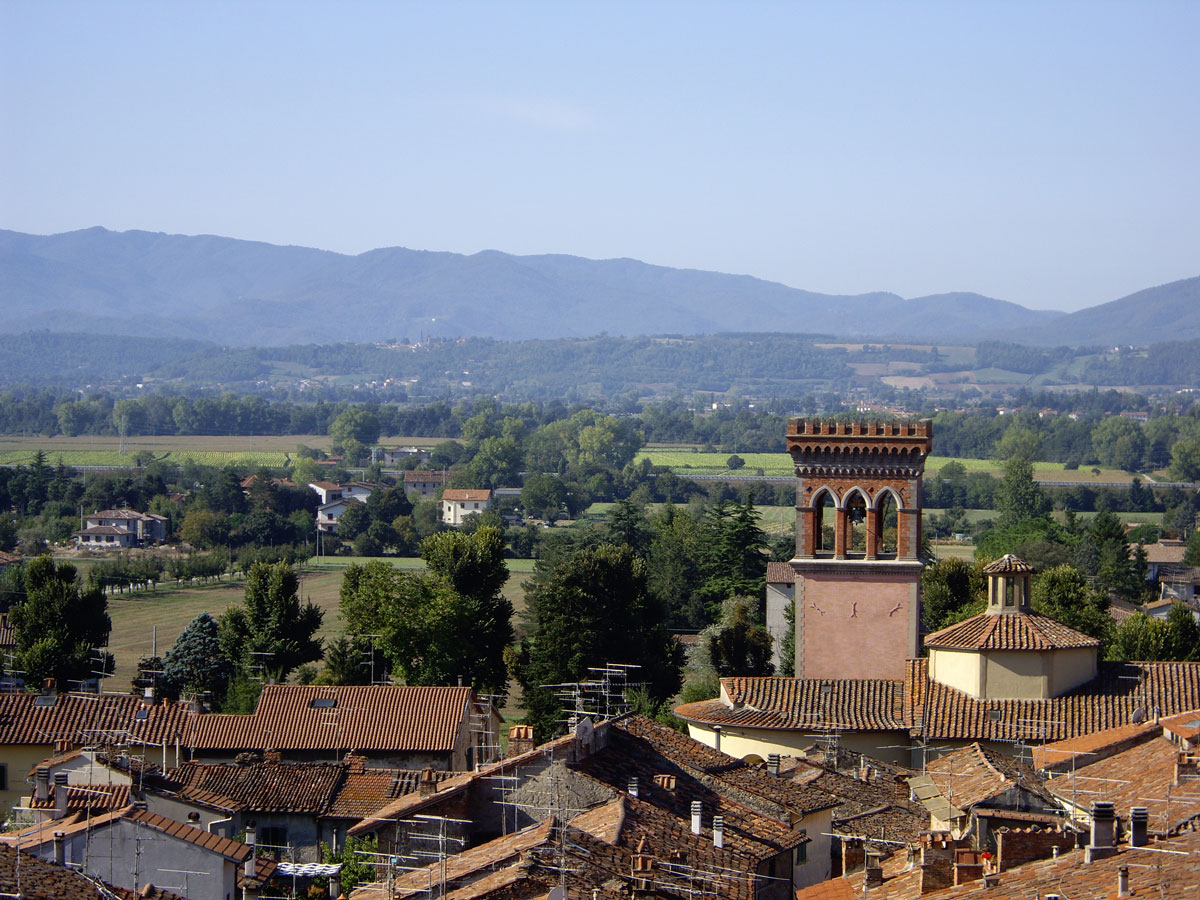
665	782
697	810
194	819
250	861
1186	766
520	739
41	790
633	786
718	831
355	764
773	764
716	737
427	786
1139	818
1104	831
60	794
1122	881
148	694
873	873
60	848
272	756
49	686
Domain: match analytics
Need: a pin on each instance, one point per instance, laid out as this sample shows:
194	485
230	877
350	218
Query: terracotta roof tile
26	718
42	880
972	775
263	787
81	797
1087	748
1007	565
466	494
365	717
780	573
861	705
1009	631
1142	775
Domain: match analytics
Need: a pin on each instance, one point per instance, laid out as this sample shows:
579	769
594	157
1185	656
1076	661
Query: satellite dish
1139	715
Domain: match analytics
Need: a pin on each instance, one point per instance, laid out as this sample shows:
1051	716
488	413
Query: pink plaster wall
856	626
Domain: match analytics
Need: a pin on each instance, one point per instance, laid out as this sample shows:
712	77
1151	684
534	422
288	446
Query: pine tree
196	663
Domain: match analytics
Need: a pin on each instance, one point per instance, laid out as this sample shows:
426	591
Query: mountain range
237	292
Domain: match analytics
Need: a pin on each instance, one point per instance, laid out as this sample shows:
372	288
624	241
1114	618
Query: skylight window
323	703
46	700
142	715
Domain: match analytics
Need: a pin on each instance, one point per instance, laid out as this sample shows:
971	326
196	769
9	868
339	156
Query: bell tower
858	545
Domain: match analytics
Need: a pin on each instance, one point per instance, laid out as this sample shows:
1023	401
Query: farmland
169	608
690	461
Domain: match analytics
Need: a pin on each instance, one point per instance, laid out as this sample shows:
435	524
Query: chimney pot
718	831
633	786
42	783
60	794
1122	881
250	842
1104	832
60	848
697	812
1139	818
773	764
716	737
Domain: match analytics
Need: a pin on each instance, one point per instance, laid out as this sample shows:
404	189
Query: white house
109	528
457	504
329	513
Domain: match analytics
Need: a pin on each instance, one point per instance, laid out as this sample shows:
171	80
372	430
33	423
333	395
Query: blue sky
1045	153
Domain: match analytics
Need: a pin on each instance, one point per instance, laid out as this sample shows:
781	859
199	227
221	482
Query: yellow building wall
958	669
19	759
889	746
1016	675
1072	668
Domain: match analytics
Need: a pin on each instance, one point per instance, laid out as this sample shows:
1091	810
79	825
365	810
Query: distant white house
116	528
458	503
360	490
326	490
398	455
329	513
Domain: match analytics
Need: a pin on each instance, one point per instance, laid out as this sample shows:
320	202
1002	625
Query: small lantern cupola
1009	580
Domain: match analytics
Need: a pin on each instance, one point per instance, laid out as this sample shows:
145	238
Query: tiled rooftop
42	880
27	718
364	717
973	775
1015	631
860	705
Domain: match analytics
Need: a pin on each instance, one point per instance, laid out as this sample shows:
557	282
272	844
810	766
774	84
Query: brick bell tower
858	545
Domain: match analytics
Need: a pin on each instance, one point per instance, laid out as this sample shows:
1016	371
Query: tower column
873	530
841	537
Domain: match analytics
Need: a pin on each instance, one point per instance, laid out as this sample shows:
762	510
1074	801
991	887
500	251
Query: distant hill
1168	312
247	293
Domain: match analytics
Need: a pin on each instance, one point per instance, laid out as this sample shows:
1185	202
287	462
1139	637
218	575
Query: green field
170	608
687	461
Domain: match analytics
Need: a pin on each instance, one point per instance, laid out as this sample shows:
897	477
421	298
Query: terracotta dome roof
1015	631
1008	565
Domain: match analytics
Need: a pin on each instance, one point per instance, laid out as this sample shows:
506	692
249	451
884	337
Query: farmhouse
458	504
119	528
425	481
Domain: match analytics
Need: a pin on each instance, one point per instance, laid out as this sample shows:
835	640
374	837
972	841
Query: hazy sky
1040	152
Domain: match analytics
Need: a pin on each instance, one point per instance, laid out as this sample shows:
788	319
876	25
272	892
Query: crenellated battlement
911	428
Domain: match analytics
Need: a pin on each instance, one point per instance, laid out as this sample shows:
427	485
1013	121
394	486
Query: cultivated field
690	461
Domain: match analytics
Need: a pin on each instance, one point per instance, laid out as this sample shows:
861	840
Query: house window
802	854
273	840
1008	593
3	776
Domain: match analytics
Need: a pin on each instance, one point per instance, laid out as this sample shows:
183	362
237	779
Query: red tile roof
363	717
791	703
232	850
972	775
86	718
42	880
1064	755
1142	775
1009	631
261	787
780	573
1007	565
82	797
7	636
466	494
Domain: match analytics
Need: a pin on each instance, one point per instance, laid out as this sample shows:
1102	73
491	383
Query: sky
1043	152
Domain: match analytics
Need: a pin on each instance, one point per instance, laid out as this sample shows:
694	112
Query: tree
1063	594
1185	460
449	622
58	624
740	646
734	555
543	495
358	424
627	525
205	529
591	609
952	589
1191	553
196	663
1018	496
1120	443
272	628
